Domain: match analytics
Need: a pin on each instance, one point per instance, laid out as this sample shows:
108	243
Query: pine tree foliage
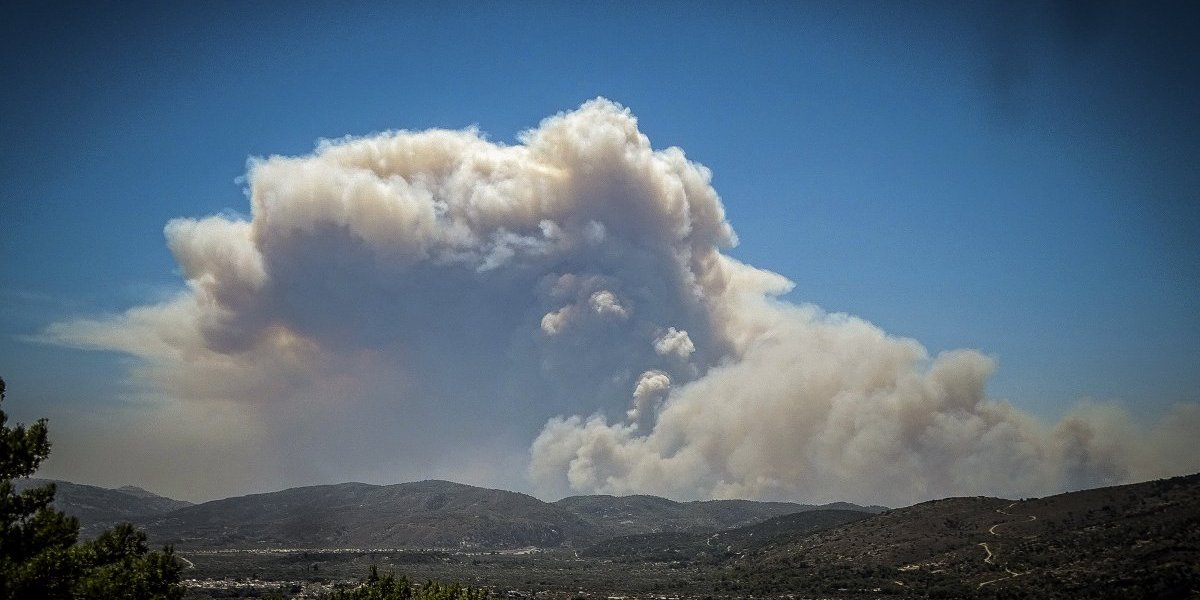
40	556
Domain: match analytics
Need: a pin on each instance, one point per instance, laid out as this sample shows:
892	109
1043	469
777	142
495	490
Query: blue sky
1019	179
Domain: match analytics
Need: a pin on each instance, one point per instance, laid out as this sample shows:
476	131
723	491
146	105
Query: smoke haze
557	314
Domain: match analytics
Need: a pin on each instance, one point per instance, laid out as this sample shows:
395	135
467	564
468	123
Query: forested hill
99	508
438	514
426	514
1140	540
630	515
1130	541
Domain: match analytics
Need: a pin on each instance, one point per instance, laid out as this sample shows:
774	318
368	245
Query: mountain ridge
435	514
644	514
427	514
99	508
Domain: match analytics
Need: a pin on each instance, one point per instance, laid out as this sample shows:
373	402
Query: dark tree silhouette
40	556
388	587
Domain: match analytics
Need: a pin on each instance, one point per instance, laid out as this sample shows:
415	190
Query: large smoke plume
420	303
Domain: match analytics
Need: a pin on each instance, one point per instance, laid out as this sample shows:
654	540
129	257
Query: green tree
40	556
387	587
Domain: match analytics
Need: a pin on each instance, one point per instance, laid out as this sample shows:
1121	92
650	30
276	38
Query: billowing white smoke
424	301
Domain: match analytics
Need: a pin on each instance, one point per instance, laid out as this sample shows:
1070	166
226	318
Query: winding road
1008	514
989	559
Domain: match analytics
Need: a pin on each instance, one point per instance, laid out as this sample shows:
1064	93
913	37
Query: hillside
439	514
729	543
1140	540
427	514
99	508
631	515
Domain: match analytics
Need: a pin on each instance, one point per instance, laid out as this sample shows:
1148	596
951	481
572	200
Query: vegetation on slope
388	587
1128	541
426	514
722	545
1140	540
630	515
98	508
